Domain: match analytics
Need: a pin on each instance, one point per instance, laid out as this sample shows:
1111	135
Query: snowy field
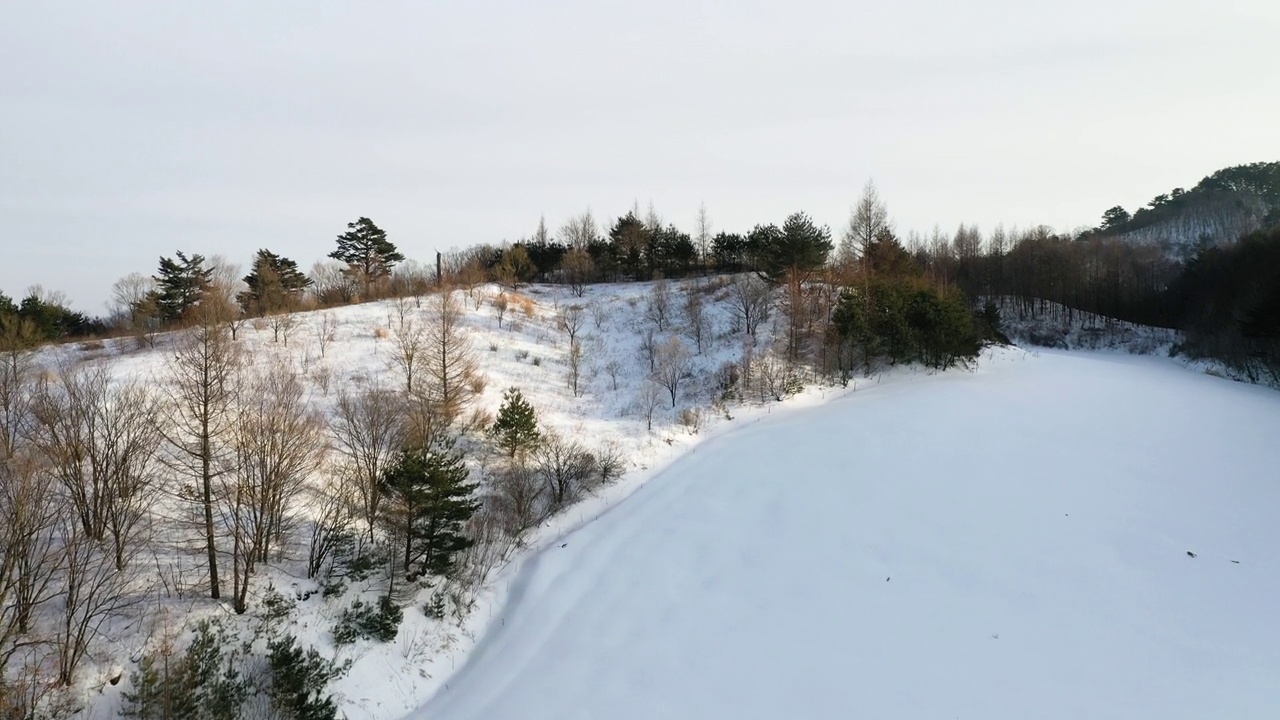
1014	542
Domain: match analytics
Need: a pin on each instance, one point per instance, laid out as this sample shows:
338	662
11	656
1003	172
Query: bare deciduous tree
100	441
368	429
577	267
571	320
407	351
751	299
674	364
566	468
574	359
333	504
93	592
650	398
697	324
658	308
326	331
128	297
613	368
500	305
278	443
30	551
702	234
450	360
868	219
196	421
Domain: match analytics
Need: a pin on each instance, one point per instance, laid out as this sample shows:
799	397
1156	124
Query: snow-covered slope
352	349
1052	536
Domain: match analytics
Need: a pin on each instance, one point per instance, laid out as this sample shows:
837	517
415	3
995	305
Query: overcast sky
131	130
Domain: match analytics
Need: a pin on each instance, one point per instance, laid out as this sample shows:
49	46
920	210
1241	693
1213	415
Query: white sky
130	130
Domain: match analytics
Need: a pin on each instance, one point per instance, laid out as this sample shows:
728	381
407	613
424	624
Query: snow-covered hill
350	349
1053	536
767	535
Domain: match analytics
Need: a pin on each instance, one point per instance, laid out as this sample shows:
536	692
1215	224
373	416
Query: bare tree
869	218
278	443
751	299
658	308
599	313
326	331
30	549
450	361
500	305
577	267
650	398
566	468
333	504
697	324
613	368
93	593
580	231
571	320
674	364
15	397
100	442
128	297
197	418
282	324
368	430
574	359
702	234
407	351
649	349
517	497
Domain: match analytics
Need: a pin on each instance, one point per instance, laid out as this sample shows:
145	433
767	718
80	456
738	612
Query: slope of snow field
1009	543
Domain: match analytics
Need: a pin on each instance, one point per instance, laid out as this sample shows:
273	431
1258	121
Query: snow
1006	543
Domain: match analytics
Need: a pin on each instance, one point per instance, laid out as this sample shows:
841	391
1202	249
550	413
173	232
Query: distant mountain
1219	210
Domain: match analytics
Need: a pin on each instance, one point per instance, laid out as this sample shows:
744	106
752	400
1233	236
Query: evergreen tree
179	285
797	250
204	684
366	251
275	284
629	239
431	501
517	425
298	680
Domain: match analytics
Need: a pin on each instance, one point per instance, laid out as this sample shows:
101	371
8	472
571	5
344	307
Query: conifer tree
366	251
430	502
275	284
179	284
516	428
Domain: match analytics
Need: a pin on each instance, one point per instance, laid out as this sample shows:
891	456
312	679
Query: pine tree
298	680
179	285
517	425
366	250
800	248
431	501
275	284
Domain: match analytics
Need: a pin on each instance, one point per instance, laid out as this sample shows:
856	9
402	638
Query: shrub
379	623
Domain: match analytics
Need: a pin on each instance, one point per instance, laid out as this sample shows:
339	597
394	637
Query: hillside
1053	536
1218	210
519	339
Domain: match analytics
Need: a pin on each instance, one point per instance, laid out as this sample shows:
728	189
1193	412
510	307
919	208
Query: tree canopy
365	249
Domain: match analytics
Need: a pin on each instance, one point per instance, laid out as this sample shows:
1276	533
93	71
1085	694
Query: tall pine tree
179	285
365	249
430	502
